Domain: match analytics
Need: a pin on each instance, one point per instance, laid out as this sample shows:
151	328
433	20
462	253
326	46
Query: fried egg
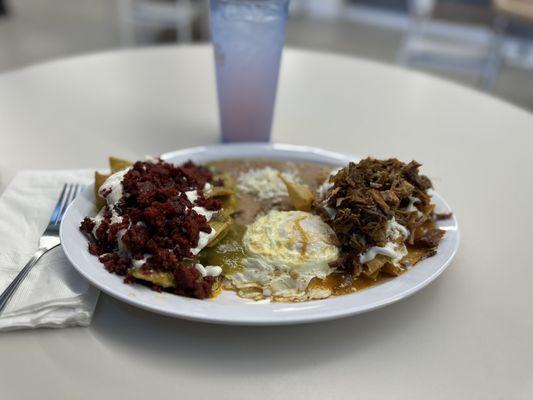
285	250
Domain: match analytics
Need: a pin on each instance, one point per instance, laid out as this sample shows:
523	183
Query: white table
469	335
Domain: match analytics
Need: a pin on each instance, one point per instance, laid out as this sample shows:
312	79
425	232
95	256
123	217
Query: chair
446	47
136	17
509	11
515	9
329	9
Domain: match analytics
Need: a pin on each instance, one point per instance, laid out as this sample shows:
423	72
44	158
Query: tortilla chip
415	255
300	196
375	265
392	269
220	223
118	164
220	191
227	180
163	279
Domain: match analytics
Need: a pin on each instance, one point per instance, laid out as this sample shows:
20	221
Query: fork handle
10	290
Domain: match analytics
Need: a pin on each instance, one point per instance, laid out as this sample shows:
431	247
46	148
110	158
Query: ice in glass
248	38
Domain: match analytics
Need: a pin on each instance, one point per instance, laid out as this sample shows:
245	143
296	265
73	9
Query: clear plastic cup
248	38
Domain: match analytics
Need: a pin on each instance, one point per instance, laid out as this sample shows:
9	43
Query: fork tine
57	208
64	204
76	189
81	188
70	199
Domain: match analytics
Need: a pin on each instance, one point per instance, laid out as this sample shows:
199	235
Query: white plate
228	308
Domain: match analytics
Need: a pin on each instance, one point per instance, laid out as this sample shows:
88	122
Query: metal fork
48	240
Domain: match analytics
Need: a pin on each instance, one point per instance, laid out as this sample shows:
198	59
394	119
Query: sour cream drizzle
208	270
140	263
114	188
394	249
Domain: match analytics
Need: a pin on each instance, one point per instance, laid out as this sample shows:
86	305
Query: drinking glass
248	38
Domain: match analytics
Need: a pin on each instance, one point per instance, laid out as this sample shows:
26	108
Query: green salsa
228	253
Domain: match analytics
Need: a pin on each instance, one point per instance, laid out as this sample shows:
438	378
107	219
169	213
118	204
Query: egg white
285	250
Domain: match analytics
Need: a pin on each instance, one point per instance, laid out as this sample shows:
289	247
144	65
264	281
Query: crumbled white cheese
265	183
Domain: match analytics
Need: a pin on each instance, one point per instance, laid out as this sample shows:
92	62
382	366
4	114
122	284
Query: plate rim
275	319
